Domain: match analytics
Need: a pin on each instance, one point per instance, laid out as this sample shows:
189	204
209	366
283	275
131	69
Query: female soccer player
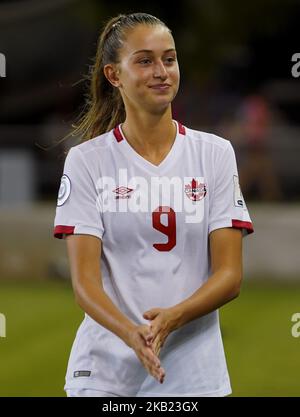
154	219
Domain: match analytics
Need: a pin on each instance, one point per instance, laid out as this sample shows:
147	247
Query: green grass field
42	318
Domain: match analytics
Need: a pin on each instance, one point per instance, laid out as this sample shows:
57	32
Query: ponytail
104	108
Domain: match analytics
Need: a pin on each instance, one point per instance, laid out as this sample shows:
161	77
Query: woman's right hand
84	254
139	339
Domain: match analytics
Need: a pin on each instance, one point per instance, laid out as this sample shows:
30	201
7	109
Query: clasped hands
162	323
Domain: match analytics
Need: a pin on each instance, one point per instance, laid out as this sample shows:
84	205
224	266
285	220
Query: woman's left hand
163	322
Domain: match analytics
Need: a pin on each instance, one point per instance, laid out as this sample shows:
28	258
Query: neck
151	133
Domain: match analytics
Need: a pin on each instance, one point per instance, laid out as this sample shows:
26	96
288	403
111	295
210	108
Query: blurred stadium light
2	65
17	177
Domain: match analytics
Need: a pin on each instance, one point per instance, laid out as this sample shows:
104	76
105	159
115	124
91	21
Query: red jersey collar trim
118	134
181	128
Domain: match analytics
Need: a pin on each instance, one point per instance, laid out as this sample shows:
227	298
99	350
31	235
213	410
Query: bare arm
222	286
224	283
84	253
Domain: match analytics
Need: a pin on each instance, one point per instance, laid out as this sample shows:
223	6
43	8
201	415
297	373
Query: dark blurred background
236	81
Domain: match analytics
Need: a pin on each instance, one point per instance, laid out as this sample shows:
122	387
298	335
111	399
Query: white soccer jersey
154	222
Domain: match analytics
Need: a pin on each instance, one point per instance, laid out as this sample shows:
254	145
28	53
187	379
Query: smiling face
147	74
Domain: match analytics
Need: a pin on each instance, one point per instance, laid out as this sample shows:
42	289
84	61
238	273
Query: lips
160	86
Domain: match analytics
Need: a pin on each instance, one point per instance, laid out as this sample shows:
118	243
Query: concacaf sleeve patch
64	190
238	196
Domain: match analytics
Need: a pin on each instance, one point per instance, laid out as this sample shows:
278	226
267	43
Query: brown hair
104	108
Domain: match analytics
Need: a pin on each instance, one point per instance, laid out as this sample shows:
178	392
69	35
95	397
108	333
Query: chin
156	105
162	100
159	108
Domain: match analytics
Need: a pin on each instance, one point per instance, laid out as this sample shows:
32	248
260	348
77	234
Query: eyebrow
149	51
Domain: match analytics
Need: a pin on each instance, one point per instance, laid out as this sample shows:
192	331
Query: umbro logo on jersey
184	195
123	192
195	190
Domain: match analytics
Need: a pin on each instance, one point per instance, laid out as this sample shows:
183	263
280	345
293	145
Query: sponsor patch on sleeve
64	190
238	196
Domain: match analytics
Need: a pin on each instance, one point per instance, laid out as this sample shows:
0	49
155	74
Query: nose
160	71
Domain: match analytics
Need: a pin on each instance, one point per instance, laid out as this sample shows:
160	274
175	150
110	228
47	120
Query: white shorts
82	392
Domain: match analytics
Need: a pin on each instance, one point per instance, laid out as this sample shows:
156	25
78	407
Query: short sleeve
228	207
77	210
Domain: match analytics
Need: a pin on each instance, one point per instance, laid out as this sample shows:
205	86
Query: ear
111	72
